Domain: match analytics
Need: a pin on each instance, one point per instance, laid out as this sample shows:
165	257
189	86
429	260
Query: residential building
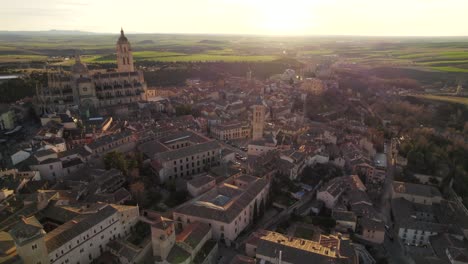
272	247
417	193
230	131
372	230
261	146
181	154
7	118
345	220
416	223
81	238
192	244
428	179
200	184
313	86
240	259
111	142
448	249
332	191
55	166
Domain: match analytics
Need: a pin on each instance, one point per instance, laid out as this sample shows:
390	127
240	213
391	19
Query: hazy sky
292	17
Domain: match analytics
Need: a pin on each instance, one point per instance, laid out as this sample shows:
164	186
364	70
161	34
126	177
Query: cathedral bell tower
124	54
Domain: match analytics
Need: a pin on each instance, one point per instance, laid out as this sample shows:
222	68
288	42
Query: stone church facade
85	89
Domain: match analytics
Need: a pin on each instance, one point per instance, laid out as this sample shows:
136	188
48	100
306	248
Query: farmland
448	99
432	54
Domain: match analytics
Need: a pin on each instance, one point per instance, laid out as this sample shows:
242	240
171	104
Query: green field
436	54
22	58
449	99
147	47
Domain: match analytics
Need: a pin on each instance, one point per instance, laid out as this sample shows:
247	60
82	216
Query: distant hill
208	41
49	32
147	41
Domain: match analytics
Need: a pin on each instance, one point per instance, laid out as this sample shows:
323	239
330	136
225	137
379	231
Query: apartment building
182	154
417	193
79	240
230	131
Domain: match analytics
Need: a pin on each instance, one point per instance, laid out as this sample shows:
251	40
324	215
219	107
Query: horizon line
236	34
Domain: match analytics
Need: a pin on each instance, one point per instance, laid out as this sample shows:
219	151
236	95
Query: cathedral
91	90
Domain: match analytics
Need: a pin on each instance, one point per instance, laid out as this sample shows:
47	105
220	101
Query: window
51	167
34	246
85	89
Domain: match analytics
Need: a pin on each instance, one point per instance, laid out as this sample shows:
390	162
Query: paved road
243	153
385	200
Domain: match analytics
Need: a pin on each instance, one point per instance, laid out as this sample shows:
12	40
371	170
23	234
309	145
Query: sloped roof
225	213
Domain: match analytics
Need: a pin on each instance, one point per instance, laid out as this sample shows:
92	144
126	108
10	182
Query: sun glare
285	18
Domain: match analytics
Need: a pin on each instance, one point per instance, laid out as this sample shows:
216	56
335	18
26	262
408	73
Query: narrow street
394	249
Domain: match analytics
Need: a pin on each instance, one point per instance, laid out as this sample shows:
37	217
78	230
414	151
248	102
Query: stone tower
162	237
249	75
124	54
258	119
29	237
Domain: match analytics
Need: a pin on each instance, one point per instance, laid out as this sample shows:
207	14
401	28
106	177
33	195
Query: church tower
162	237
258	119
29	237
124	54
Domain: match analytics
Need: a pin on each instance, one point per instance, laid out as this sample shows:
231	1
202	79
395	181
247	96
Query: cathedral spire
121	31
77	56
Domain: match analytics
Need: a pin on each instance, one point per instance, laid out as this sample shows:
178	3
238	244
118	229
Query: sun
285	18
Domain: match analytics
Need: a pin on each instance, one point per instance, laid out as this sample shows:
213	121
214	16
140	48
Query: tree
183	110
138	192
116	160
176	198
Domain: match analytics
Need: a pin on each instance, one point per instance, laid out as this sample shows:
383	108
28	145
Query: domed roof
122	39
79	67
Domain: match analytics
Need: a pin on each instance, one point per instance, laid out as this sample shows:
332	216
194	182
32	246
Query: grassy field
445	57
22	58
449	99
437	54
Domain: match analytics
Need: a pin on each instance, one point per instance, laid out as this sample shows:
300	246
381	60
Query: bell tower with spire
124	54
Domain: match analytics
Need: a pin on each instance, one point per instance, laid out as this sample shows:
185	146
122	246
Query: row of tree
16	89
